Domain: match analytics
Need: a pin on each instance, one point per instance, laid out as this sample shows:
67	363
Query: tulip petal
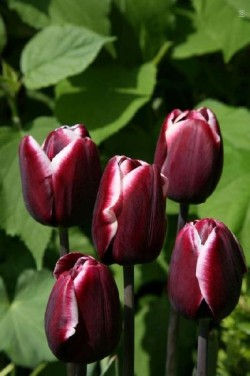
36	176
75	182
107	207
66	262
61	316
192	157
142	224
220	268
80	130
58	140
99	307
210	117
183	287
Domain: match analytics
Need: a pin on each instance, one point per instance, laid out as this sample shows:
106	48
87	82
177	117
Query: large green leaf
242	7
151	325
22	334
92	14
14	217
105	98
33	12
230	202
151	21
218	27
58	52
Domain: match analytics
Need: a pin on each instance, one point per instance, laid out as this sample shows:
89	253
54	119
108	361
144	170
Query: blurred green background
119	66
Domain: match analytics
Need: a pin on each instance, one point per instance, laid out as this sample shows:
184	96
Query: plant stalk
73	369
129	325
202	356
14	113
76	369
64	241
173	324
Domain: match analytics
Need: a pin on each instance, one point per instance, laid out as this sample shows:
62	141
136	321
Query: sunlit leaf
209	35
58	52
105	98
22	334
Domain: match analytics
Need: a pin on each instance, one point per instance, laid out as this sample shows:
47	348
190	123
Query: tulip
82	318
129	221
189	152
206	270
60	178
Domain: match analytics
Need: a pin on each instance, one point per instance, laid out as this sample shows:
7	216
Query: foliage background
119	66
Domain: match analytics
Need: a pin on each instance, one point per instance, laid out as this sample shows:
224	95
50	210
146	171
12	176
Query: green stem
128	350
161	53
14	113
202	356
73	369
173	324
64	240
7	370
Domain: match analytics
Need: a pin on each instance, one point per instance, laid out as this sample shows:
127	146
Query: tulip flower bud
206	270
82	318
129	221
60	179
190	153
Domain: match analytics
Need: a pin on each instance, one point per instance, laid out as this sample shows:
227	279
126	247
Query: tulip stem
75	369
64	240
202	356
173	324
128	350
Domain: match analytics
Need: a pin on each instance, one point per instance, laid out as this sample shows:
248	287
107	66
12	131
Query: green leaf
32	12
4	302
105	98
58	52
109	366
242	7
22	334
14	217
209	35
151	21
9	80
92	14
13	262
151	323
230	202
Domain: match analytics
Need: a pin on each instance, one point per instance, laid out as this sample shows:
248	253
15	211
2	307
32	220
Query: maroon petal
141	230
192	158
58	140
107	207
220	268
61	317
66	262
72	184
183	287
36	176
99	306
80	130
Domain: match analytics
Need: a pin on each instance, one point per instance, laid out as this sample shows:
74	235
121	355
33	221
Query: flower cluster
62	186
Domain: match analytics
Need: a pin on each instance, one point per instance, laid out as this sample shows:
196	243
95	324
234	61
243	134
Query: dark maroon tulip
82	319
60	179
190	153
129	221
206	270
